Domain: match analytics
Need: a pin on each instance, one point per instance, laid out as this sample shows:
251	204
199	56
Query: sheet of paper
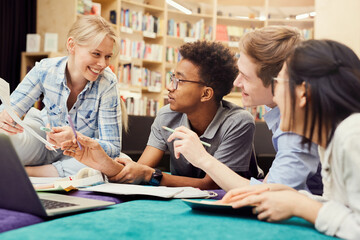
165	192
43	180
131	189
5	98
190	192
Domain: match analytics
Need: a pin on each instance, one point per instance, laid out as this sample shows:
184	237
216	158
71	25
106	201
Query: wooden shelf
188	16
50	19
147	7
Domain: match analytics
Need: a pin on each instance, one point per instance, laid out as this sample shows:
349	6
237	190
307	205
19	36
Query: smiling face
187	97
252	89
88	62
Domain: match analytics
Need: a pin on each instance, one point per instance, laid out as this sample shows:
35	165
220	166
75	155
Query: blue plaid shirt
96	112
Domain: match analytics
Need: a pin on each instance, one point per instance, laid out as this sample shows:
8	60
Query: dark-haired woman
317	92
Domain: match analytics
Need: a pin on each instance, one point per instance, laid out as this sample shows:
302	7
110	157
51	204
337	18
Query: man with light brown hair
262	54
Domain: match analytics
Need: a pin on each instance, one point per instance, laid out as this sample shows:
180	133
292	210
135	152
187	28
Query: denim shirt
96	112
294	165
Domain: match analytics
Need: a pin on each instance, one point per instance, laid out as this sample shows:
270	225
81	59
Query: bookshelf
152	30
28	60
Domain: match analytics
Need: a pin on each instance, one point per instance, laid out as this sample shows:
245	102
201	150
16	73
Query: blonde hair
92	29
269	47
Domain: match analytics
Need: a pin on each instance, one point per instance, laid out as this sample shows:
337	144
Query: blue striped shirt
96	112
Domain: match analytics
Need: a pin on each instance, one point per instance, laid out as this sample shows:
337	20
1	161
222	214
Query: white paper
5	98
131	189
190	192
162	191
43	180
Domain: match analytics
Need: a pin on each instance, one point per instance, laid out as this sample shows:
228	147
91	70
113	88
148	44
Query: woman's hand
59	135
274	206
187	143
8	125
238	194
91	154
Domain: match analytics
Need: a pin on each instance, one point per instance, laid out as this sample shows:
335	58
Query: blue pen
73	128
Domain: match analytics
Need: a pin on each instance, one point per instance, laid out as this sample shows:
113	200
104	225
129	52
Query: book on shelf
172	54
138	21
185	29
88	7
140	49
230	33
131	75
141	106
257	112
308	33
221	33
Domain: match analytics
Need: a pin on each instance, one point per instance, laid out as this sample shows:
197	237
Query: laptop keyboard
51	204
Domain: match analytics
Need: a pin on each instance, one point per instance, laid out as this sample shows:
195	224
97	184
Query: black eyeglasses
175	81
274	83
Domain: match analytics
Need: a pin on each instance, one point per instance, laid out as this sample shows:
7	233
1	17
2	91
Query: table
161	219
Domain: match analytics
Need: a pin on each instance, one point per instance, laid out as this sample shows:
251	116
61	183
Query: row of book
257	112
172	54
185	29
131	75
141	106
139	21
308	33
88	7
230	33
139	49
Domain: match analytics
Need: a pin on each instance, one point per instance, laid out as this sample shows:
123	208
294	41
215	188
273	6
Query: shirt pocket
87	119
54	113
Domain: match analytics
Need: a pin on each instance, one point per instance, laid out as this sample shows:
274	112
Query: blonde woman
79	85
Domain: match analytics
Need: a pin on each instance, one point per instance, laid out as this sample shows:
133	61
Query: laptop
17	193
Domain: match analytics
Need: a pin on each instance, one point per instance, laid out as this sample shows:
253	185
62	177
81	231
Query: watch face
156	178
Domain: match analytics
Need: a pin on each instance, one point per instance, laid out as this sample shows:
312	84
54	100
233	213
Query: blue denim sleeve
110	127
27	92
294	164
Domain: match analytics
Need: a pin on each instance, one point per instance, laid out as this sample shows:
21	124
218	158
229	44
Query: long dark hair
331	73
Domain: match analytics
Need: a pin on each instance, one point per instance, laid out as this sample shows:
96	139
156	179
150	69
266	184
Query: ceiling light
178	6
241	17
302	16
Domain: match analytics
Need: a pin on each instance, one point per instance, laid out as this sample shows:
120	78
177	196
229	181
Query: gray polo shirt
230	134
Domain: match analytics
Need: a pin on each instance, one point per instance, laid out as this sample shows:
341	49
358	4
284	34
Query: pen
172	130
73	128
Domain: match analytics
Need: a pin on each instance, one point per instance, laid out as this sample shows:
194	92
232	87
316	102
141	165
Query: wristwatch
156	177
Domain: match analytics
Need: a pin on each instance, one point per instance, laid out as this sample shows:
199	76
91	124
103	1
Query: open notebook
161	191
17	192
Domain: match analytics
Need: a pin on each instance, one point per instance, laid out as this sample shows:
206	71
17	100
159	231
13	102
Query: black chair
264	149
134	141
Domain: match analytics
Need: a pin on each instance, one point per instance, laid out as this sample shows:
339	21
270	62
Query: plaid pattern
96	113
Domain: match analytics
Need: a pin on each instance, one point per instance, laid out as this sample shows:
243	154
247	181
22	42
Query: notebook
211	206
17	193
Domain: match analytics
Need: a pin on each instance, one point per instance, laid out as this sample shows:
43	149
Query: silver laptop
17	193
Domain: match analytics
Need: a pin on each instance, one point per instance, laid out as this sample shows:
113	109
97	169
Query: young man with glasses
262	54
202	77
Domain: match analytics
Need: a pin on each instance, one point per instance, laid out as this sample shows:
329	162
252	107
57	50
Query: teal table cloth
162	219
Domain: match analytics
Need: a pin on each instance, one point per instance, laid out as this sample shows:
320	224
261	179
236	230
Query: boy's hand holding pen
172	130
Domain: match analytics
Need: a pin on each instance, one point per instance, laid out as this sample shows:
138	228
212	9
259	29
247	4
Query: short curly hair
217	65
